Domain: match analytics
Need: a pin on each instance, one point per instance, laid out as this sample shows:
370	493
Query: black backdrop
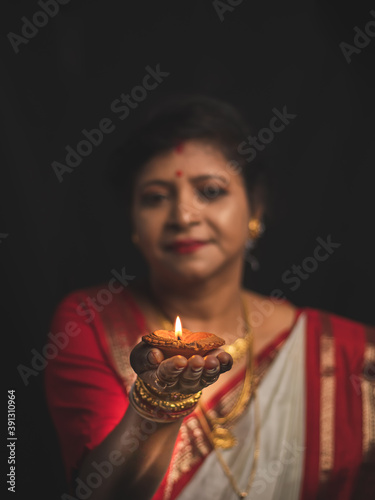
59	236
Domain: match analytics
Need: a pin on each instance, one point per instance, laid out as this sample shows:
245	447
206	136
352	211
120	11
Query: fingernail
154	357
212	370
179	369
196	370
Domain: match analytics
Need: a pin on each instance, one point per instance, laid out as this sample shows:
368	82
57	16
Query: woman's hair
188	117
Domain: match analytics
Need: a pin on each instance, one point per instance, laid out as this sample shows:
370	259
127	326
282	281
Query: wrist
161	407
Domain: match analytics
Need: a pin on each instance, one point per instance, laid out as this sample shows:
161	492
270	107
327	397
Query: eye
211	192
153	199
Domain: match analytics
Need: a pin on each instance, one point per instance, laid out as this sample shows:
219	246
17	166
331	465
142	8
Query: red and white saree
316	396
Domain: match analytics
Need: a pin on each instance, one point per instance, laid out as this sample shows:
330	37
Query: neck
214	301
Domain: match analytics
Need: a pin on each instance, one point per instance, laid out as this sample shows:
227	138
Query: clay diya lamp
183	342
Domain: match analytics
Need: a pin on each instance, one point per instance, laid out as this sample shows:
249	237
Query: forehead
190	159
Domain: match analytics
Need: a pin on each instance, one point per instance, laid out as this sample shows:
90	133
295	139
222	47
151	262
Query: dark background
62	236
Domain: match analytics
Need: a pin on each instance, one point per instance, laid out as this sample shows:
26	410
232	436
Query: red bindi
179	148
179	173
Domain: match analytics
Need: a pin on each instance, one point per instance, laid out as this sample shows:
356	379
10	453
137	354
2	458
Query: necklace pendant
243	494
222	438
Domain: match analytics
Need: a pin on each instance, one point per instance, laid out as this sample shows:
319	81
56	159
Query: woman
286	411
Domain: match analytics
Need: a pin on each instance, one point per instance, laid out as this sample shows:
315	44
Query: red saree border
312	405
335	350
348	404
365	387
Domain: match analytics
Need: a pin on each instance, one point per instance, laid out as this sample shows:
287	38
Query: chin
188	272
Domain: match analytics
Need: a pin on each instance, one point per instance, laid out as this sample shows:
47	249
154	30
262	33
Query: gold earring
256	228
135	238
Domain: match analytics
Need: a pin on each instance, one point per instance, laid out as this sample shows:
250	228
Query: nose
184	212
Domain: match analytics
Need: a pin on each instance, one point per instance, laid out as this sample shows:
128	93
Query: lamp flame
178	328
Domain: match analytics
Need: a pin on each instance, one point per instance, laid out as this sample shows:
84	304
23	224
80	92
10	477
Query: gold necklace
244	398
239	347
220	436
240	493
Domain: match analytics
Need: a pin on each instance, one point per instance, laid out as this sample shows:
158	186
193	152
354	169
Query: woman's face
190	212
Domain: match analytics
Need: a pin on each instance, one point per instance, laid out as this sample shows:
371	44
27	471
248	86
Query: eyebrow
161	182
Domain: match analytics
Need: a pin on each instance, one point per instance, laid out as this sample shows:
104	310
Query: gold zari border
368	398
327	400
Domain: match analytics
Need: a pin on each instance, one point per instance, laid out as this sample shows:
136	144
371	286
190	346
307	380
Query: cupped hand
178	374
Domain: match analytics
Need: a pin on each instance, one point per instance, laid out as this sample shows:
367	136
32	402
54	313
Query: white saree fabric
279	473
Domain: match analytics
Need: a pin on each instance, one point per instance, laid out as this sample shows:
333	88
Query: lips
186	246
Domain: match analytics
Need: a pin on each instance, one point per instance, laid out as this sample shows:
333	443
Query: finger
144	358
190	377
225	360
211	361
211	370
167	374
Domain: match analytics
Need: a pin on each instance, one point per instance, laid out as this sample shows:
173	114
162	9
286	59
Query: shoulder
267	306
89	314
89	303
342	327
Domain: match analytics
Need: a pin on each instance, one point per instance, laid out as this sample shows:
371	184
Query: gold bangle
152	407
155	415
142	412
172	402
